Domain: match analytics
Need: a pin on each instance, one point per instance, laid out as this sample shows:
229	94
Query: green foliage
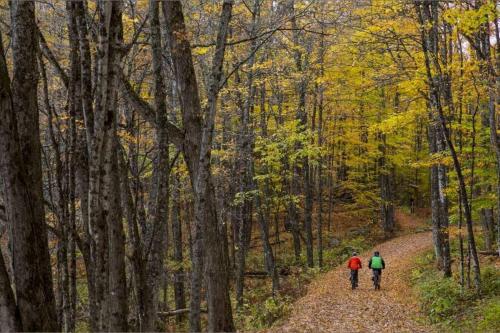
490	281
263	314
490	319
339	254
448	307
470	21
440	298
83	299
242	197
272	309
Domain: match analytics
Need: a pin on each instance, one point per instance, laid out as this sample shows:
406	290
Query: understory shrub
450	308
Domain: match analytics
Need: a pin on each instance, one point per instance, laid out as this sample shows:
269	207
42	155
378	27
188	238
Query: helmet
376	253
355	253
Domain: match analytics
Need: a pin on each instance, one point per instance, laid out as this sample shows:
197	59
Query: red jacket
354	263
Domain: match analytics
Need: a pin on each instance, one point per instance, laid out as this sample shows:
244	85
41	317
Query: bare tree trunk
487	224
243	166
427	12
10	320
157	234
179	294
302	117
84	114
74	92
320	176
197	150
116	299
386	179
23	180
438	200
493	86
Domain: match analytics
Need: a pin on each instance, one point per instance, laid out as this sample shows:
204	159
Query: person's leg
378	273
375	277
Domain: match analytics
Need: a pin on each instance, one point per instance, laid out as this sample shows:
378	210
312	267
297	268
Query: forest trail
331	306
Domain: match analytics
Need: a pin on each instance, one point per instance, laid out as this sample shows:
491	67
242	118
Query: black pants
354	276
377	271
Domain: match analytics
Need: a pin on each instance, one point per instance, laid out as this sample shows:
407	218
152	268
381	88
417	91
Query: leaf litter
331	306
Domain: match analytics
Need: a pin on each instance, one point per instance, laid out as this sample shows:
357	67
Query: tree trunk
10	320
179	294
487	224
23	180
386	179
157	233
428	15
301	116
197	150
116	298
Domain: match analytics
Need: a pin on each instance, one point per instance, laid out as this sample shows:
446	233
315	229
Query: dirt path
331	306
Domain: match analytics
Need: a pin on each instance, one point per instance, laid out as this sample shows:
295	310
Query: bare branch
175	134
49	55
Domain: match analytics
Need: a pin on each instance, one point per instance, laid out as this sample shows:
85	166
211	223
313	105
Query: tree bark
386	176
179	294
23	180
10	320
197	150
116	297
156	240
487	224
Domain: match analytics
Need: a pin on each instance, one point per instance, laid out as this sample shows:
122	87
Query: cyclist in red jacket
354	264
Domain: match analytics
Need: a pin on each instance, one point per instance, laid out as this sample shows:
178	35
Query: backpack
376	262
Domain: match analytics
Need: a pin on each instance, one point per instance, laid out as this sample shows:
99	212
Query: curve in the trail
331	306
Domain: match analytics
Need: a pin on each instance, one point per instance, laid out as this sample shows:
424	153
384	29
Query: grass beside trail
447	306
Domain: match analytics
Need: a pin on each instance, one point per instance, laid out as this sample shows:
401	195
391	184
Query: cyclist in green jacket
377	264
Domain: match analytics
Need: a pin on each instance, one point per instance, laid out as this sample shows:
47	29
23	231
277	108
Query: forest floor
331	306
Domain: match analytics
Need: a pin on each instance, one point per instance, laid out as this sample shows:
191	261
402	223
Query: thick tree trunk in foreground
9	313
22	177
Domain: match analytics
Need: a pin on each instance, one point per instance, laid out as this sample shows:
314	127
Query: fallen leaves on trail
331	306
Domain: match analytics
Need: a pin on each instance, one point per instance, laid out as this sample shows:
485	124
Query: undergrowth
452	308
